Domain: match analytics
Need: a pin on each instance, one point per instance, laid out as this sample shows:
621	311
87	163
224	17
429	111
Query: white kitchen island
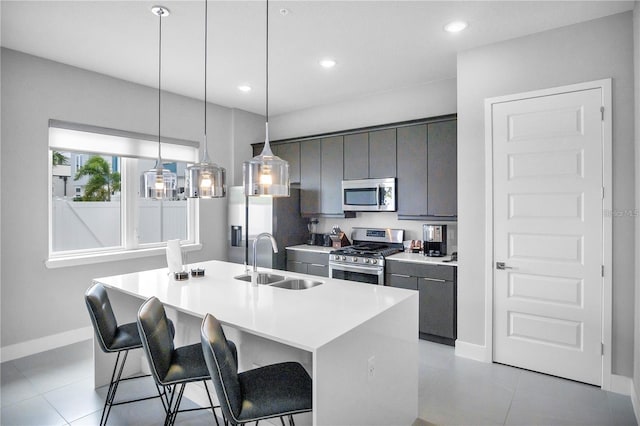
359	342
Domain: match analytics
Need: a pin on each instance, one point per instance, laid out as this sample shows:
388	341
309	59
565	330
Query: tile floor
54	388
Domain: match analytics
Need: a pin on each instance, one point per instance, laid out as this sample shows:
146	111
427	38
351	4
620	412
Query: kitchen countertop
420	258
294	317
307	247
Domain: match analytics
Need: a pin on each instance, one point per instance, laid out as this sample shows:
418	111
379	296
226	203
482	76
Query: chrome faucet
255	243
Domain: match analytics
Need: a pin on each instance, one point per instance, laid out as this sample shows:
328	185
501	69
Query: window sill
88	259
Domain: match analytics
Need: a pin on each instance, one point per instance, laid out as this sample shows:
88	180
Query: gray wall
36	301
592	50
247	128
427	100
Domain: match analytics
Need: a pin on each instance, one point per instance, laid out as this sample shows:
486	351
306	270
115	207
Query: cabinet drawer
317	269
308	257
438	272
295	266
402	281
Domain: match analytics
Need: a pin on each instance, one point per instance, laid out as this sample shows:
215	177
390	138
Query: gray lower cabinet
308	262
436	285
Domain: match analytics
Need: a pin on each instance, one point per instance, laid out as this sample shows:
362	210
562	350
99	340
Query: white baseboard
472	351
635	400
31	347
621	384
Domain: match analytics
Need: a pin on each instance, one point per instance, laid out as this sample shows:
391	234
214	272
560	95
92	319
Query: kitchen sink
262	278
296	284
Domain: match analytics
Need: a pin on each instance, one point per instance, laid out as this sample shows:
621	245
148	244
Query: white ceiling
379	45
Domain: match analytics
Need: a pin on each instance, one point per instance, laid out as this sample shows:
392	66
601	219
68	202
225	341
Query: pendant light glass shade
266	174
159	183
205	179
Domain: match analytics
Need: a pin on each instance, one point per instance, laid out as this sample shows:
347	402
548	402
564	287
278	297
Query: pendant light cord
267	64
266	125
206	15
160	13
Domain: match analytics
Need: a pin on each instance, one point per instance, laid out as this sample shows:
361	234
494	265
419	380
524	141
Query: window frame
128	146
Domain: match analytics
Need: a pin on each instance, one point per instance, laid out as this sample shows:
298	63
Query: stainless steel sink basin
296	284
262	278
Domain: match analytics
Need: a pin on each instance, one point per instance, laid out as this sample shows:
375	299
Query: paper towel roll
174	256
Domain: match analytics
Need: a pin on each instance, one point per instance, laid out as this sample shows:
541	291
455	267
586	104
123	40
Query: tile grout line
513	395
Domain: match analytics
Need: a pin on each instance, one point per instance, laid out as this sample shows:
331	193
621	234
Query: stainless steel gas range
364	260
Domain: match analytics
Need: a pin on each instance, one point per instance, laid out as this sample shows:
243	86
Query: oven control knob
366	261
355	259
374	261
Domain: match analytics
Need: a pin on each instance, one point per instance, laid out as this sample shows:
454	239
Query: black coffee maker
434	240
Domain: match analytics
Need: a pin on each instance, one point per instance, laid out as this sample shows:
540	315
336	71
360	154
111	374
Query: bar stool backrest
157	337
222	366
102	316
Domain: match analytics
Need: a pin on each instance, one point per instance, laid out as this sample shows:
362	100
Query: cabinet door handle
434	279
401	275
295	261
319	265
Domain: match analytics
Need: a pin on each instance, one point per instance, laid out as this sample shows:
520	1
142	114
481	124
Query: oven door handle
371	271
378	196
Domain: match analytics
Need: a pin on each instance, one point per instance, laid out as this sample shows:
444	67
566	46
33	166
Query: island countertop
306	319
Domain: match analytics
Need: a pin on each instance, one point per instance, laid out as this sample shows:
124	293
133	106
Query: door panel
547	195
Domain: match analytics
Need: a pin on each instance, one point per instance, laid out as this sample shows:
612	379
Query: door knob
502	266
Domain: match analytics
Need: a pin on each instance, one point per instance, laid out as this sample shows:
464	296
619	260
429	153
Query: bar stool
171	366
114	338
276	390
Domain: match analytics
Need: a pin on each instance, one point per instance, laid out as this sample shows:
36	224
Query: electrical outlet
371	368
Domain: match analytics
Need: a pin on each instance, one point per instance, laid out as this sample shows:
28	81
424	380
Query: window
96	207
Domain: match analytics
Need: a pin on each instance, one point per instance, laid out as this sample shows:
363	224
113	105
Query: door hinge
602	192
601	348
602	270
602	113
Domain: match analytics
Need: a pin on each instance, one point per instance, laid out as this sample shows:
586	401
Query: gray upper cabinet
427	171
382	153
331	176
412	170
442	168
370	155
421	155
291	153
310	157
356	156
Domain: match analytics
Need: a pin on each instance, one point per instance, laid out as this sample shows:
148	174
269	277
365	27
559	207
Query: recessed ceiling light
244	88
455	26
327	63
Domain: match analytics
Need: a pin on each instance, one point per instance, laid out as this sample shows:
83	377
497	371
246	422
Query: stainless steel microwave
369	195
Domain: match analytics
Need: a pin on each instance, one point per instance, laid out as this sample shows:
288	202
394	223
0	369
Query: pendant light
266	174
205	179
159	183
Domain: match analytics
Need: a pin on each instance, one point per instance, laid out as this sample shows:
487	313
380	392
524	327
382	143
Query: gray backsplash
412	228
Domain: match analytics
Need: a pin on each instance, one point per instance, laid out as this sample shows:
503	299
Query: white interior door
548	234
